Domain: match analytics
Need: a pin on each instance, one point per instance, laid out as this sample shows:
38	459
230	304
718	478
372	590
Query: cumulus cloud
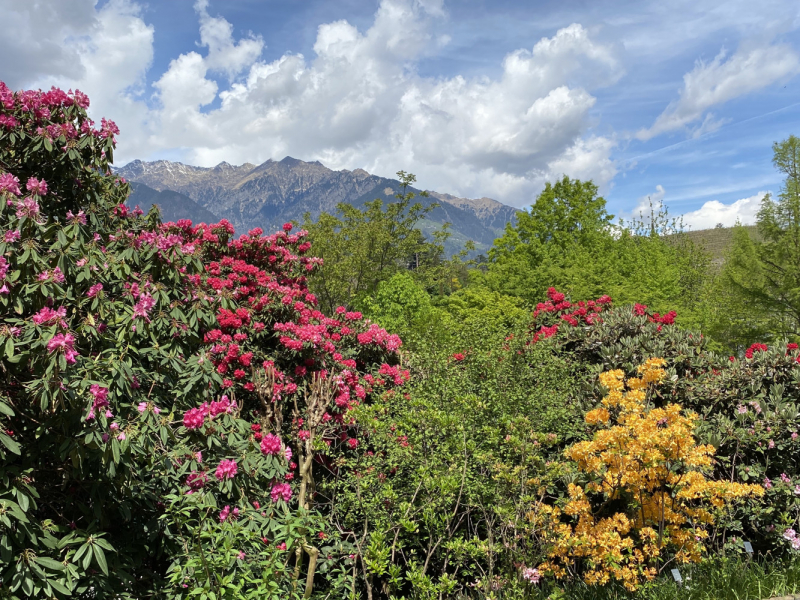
723	79
715	212
104	52
708	216
35	38
358	101
223	53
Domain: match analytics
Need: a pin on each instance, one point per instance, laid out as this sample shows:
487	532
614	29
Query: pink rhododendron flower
143	306
10	184
100	395
93	291
223	406
28	207
194	418
64	343
270	444
11	236
196	480
226	469
531	575
281	491
79	218
37	186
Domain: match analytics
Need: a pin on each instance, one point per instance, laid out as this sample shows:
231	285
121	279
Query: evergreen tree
764	278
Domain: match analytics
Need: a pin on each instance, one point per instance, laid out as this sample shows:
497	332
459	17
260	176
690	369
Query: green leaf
10	444
60	587
87	559
10	347
49	563
101	558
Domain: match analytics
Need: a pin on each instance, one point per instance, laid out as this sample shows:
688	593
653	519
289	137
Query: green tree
763	278
568	241
362	248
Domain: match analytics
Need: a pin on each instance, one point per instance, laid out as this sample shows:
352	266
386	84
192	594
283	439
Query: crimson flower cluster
560	310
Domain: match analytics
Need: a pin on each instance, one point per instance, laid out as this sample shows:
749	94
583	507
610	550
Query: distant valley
274	192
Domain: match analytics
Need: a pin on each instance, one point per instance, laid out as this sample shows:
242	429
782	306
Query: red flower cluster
563	310
755	348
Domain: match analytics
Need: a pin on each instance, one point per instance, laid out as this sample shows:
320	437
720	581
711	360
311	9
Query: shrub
170	399
647	500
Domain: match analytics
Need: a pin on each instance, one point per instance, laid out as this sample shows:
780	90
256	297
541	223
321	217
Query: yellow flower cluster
649	496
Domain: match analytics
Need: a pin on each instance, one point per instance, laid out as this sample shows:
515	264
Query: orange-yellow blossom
647	457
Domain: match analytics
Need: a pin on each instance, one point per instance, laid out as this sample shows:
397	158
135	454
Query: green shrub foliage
179	419
171	399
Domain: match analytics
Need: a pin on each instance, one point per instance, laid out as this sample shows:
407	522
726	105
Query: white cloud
103	52
223	53
709	215
723	79
357	102
714	212
34	41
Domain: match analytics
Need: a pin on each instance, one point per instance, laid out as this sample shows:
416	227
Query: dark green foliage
761	279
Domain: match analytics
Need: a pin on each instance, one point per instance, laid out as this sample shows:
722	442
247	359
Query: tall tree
765	276
361	248
568	240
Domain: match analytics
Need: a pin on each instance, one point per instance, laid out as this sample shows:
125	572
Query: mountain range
275	192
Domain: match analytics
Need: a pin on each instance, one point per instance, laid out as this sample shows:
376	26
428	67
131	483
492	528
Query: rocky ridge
274	192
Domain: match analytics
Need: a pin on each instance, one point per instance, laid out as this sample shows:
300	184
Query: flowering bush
647	498
748	405
170	398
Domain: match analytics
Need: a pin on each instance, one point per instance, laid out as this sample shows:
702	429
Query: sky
671	102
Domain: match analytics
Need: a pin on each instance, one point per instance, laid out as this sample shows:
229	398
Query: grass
720	579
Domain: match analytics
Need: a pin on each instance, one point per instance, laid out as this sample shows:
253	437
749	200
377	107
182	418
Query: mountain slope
174	206
274	192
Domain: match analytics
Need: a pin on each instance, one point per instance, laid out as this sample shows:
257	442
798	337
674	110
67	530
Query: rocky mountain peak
273	192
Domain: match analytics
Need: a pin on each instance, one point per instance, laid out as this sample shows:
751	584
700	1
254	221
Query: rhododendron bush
749	405
171	398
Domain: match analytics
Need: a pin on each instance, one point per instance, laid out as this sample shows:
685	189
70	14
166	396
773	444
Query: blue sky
679	101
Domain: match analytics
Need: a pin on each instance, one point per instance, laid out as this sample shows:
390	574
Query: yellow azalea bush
648	501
